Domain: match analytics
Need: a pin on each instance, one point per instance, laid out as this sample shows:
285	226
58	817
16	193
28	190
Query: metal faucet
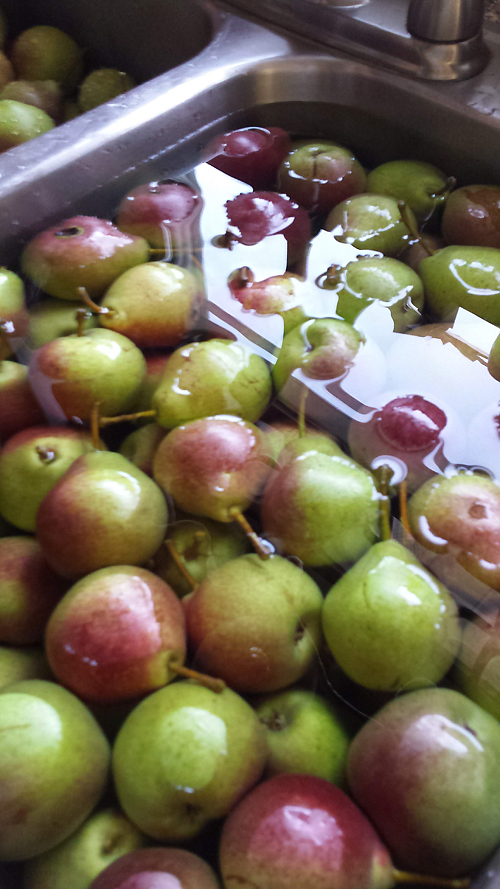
430	39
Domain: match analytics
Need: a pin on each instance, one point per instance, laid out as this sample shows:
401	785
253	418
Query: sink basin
247	76
142	37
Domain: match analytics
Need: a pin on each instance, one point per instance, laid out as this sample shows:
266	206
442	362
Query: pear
212	377
158	868
201	546
440	810
105	836
47	53
250	154
29	591
30	465
17	664
389	624
420	185
324	349
212	466
83	251
472	216
51	318
255	623
467	277
102	512
494	359
184	756
53	767
72	374
165	213
385	280
168	309
306	735
14	317
19	123
322	508
18	405
319	175
101	86
141	445
43	94
370	222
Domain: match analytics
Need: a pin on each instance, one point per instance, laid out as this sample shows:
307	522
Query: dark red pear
252	154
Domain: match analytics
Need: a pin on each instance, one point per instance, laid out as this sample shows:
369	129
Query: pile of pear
43	83
177	682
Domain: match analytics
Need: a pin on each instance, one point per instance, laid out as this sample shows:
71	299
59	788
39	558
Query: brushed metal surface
445	21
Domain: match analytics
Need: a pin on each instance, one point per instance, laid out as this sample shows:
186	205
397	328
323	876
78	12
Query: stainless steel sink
246	75
143	37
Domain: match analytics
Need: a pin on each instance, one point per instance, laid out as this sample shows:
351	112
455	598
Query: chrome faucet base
376	31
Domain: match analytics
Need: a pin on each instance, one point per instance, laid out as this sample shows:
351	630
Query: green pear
389	624
467	277
324	349
31	463
169	307
322	508
72	374
184	756
202	546
53	767
494	359
13	314
212	377
370	222
19	123
386	280
141	445
106	836
17	664
478	666
43	94
421	186
305	735
47	53
102	512
51	318
101	86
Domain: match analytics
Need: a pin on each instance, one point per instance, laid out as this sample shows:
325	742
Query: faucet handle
445	21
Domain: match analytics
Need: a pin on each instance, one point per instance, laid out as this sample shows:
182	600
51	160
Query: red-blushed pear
306	735
460	514
324	349
14	319
18	405
104	511
212	466
29	591
141	445
165	213
256	623
321	507
82	251
157	868
31	463
43	94
472	216
72	374
279	435
212	377
53	767
185	756
279	294
294	831
104	837
440	810
319	175
197	547
115	634
155	304
251	154
155	365
17	664
261	214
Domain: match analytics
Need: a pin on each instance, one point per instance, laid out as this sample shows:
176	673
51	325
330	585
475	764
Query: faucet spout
445	21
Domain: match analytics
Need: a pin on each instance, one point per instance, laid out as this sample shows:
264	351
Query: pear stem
401	876
124	418
403	507
302	411
46	455
384	474
226	240
97	310
216	685
153	250
4	342
410	225
81	316
180	564
244	277
262	551
448	186
94	427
